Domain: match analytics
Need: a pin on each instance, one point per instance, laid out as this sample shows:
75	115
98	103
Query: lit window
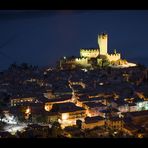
65	116
140	105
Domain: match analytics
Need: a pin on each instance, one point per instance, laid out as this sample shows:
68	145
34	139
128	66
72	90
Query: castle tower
102	41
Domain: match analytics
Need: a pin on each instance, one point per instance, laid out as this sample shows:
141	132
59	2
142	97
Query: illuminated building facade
68	113
93	56
92	122
102	42
89	53
70	118
101	51
48	105
18	101
115	123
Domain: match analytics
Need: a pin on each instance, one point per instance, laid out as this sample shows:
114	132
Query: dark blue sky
41	37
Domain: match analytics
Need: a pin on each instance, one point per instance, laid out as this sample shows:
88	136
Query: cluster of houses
94	97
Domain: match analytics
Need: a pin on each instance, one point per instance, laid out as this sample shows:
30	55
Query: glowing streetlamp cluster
27	112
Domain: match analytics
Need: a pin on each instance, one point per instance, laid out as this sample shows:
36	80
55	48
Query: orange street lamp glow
28	111
65	116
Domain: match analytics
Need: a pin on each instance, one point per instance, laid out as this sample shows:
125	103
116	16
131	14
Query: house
137	116
124	106
130	129
85	99
92	122
52	117
93	108
19	100
68	113
50	102
132	107
110	111
115	123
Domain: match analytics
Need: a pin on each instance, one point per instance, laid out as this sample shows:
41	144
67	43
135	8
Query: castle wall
89	53
114	57
70	61
82	61
98	54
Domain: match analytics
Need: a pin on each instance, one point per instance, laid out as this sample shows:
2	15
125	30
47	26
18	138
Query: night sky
42	37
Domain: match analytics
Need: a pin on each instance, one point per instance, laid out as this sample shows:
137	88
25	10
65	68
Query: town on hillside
96	95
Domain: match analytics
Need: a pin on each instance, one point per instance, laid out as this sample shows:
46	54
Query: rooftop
65	107
93	119
57	99
115	119
137	113
93	104
86	99
131	127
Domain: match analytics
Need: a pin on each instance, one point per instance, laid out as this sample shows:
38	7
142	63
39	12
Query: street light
27	112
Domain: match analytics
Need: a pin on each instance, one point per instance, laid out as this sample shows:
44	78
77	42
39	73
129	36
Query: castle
94	57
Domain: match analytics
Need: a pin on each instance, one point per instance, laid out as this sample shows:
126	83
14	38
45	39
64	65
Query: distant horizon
42	37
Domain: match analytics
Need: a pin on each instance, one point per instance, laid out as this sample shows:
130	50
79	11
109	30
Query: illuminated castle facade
95	56
89	53
102	42
101	51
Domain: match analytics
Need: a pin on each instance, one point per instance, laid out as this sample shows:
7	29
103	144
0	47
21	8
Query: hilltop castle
94	56
101	51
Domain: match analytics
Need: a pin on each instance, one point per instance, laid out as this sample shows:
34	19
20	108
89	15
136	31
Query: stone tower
102	41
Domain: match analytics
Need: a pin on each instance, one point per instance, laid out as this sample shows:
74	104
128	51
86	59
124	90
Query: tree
24	66
141	66
56	129
79	124
41	119
13	66
105	63
4	101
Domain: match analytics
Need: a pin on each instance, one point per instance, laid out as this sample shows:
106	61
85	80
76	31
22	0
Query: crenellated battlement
89	53
88	49
114	57
103	36
81	59
70	61
113	54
